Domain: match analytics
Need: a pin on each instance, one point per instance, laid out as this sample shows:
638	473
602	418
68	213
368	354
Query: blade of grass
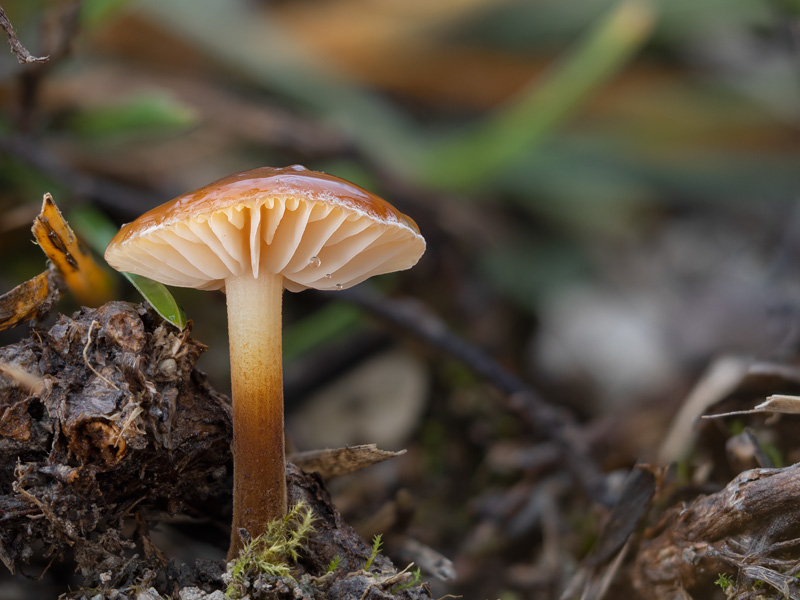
490	146
150	113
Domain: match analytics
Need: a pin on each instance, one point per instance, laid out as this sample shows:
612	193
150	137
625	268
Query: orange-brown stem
259	471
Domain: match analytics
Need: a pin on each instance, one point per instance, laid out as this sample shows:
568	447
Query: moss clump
274	553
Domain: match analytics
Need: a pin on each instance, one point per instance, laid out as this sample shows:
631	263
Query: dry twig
22	54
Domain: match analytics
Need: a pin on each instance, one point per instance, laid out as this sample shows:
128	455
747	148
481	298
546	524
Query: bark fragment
695	542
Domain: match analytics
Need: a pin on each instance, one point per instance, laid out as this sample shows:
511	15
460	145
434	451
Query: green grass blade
93	226
490	146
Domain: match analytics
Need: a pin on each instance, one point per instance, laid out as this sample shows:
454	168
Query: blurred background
608	190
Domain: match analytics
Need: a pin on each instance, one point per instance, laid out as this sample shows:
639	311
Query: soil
114	430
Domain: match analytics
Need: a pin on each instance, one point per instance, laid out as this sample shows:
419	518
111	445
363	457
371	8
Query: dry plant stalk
22	54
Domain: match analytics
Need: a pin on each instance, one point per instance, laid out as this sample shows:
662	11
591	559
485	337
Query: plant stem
259	471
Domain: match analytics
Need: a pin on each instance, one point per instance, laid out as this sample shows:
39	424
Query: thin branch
22	54
550	422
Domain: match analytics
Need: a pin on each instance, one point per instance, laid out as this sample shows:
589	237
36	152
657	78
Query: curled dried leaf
30	300
83	275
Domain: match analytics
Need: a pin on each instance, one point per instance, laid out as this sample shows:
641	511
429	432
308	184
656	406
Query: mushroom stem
259	471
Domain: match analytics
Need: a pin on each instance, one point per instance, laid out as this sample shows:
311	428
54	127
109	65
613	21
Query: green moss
417	580
726	583
377	542
333	565
273	553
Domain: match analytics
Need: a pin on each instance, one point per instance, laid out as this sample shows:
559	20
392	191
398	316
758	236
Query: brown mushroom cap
316	230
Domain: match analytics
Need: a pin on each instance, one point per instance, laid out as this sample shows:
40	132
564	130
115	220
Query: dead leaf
15	422
633	504
91	285
429	560
341	461
30	300
777	403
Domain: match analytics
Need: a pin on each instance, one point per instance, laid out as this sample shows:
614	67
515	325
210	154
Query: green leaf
159	297
97	230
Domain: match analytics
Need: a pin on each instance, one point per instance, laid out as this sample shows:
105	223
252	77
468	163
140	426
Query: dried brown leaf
82	274
30	300
341	461
777	403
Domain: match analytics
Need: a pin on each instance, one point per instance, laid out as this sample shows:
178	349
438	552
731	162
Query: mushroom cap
316	230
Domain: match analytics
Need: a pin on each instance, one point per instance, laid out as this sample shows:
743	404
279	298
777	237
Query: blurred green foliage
620	110
490	147
323	326
94	13
142	115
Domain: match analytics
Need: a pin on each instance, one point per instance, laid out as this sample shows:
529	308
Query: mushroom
254	234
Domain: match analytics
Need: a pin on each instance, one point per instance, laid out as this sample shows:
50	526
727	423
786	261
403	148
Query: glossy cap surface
317	230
